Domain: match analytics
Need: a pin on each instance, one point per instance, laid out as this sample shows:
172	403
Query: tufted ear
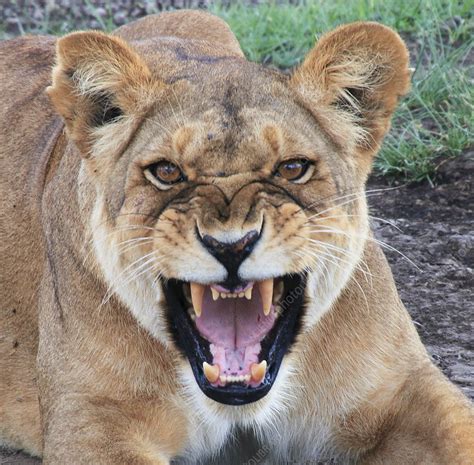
351	81
99	82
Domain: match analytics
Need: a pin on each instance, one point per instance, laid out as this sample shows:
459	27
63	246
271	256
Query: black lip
274	346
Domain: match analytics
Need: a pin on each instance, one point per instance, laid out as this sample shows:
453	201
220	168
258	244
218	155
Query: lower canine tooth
258	370
211	372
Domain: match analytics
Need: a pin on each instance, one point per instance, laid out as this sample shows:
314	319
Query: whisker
179	106
93	241
373	239
382	220
345	252
323	273
157	123
355	196
126	228
135	243
123	272
329	258
155	217
369	193
345	262
172	110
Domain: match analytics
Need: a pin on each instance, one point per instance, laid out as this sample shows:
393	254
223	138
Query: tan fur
83	326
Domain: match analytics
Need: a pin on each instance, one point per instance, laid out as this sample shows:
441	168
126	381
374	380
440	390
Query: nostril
247	242
212	243
231	254
242	246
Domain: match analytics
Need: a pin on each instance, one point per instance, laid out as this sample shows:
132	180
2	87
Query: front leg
434	425
99	431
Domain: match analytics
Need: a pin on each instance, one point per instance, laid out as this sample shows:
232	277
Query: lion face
228	212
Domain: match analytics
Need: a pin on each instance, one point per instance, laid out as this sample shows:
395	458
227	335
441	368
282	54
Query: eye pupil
167	172
292	169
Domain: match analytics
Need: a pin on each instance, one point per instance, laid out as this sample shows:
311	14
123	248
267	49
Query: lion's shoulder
25	71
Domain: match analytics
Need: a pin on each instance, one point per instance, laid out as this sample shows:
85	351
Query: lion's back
27	123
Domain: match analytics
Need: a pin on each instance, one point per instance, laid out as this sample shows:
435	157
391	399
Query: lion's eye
166	172
292	170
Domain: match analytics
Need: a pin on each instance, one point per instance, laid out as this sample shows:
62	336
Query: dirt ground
436	232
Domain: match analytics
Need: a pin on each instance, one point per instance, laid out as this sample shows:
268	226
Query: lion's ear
98	81
351	81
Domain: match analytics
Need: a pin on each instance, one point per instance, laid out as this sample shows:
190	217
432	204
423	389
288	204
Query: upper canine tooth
211	372
258	370
266	292
248	293
197	292
215	294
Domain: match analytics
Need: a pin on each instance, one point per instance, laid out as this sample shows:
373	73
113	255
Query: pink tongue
235	328
234	323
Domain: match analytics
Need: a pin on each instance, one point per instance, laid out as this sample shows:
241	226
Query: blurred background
422	185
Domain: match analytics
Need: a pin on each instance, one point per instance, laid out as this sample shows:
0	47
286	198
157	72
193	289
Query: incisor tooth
241	294
266	292
248	293
258	370
197	292
223	296
211	372
215	294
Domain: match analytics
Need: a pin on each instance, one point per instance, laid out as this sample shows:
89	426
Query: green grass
435	121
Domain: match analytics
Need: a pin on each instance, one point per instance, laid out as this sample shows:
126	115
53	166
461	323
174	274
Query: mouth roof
235	322
235	339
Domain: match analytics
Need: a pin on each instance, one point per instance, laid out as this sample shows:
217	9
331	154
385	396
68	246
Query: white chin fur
215	421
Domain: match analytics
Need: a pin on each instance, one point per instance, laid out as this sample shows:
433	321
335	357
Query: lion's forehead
229	132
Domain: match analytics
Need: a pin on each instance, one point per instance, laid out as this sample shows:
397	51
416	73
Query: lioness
187	259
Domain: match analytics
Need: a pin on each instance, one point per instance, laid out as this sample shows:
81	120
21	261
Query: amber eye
166	172
292	170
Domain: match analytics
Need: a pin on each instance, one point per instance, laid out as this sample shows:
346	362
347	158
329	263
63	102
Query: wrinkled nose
232	254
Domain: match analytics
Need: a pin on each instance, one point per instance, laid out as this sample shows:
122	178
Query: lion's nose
231	254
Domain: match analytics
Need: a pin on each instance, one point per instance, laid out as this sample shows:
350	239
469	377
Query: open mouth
235	339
